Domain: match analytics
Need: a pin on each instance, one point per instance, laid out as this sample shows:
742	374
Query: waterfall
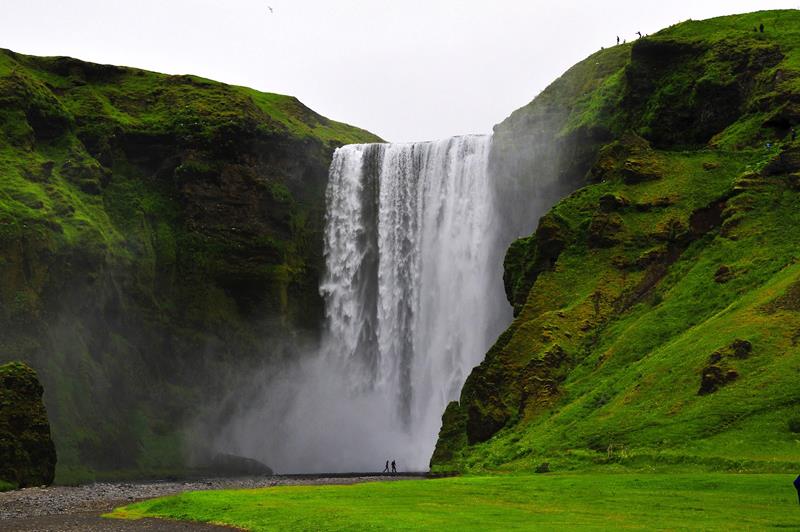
413	288
414	298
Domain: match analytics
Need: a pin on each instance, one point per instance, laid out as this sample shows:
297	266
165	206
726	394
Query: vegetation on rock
155	231
27	453
656	307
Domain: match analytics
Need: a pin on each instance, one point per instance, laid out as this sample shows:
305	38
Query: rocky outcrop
528	257
27	453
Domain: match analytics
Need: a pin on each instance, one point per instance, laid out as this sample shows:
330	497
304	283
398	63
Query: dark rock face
27	453
675	99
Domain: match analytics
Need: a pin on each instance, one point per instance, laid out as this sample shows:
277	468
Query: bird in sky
270	9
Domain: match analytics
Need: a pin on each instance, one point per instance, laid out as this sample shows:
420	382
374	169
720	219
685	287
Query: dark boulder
715	377
741	348
27	453
233	465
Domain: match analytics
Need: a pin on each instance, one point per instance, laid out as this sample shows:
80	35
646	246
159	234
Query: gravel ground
79	507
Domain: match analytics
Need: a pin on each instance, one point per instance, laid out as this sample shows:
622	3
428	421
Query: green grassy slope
154	231
657	316
514	502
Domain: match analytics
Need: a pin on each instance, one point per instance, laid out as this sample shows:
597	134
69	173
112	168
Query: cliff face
656	317
155	231
27	453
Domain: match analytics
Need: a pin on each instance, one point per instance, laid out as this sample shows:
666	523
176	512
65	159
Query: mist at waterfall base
414	297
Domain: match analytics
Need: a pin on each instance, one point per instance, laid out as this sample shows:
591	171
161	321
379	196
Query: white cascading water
413	291
414	298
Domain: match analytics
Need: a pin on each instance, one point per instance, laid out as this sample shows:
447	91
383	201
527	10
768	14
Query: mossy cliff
155	232
657	310
27	453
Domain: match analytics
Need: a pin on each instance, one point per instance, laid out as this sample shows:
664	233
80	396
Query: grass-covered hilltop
657	307
154	231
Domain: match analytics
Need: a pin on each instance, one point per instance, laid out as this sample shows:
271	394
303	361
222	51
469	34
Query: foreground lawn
603	501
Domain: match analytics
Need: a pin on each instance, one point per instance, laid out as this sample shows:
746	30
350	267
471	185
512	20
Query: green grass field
565	501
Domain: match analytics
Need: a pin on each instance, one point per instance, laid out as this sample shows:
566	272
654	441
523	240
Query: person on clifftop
386	469
394	467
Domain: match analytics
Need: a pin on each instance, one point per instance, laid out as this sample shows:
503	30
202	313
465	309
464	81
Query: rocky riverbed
80	507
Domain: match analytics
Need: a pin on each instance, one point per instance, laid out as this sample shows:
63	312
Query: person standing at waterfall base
386	468
394	467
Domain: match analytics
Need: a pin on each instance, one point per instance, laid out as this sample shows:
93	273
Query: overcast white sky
406	70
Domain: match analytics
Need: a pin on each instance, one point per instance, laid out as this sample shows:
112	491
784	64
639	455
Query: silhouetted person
761	28
394	467
386	468
639	33
617	40
797	487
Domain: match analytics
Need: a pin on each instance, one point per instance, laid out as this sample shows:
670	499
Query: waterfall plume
414	298
413	290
